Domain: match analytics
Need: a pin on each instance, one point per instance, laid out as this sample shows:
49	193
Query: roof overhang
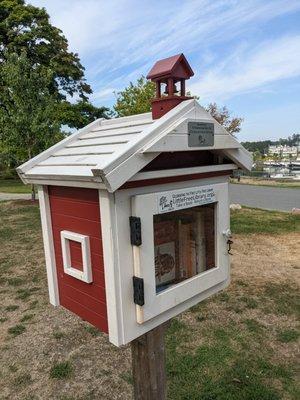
168	133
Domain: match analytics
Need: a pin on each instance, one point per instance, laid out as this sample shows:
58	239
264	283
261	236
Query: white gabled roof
112	151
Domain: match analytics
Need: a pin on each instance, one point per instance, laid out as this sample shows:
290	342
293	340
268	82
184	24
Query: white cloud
130	31
103	94
249	70
118	40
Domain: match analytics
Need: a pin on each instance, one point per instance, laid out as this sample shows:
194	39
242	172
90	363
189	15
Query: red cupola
166	74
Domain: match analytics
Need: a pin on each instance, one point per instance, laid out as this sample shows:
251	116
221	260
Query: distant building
284	151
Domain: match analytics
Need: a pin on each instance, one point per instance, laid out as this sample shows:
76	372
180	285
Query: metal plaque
200	134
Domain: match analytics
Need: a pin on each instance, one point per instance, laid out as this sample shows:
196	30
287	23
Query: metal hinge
135	231
138	291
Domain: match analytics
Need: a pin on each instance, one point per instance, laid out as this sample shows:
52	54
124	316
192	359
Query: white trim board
72	183
48	245
182	171
110	257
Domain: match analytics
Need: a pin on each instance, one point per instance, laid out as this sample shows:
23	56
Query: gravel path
15	196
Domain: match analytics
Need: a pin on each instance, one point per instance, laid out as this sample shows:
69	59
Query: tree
28	111
136	98
222	115
260	146
24	27
80	114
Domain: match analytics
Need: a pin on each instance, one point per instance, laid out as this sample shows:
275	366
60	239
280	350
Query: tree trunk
148	365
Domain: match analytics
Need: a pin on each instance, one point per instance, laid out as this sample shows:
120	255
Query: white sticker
172	201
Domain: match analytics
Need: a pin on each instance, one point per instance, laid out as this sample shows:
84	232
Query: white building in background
284	151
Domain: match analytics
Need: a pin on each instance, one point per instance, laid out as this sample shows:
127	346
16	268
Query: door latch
228	236
229	243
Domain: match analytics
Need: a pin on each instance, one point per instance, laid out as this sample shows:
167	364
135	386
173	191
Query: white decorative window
86	274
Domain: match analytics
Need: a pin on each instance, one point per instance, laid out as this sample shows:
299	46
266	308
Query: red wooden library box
135	212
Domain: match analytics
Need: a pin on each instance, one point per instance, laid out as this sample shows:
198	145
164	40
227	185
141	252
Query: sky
245	54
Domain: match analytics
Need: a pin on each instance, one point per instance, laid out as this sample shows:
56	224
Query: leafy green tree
28	110
80	114
135	98
24	27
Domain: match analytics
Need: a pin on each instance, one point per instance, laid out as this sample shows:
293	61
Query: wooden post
148	365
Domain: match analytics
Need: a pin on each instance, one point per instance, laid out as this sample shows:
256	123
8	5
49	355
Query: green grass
284	297
61	370
222	368
27	317
16	330
254	326
253	220
13	186
12	307
15	281
288	335
92	330
22	379
249	302
24	294
279	183
234	358
58	335
127	377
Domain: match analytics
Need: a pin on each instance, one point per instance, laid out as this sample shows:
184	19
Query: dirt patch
259	259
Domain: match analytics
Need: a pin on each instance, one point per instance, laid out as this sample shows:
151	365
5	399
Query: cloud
251	70
132	31
103	94
118	40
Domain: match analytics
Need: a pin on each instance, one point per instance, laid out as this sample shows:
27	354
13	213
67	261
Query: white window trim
145	206
86	274
121	309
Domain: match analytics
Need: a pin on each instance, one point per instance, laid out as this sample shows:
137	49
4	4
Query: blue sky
245	54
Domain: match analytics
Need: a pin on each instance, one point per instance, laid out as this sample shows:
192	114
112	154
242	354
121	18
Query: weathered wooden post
149	365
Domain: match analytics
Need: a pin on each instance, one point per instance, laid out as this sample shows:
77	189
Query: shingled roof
170	66
112	151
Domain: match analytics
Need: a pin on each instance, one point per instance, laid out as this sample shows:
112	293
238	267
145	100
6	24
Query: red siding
77	210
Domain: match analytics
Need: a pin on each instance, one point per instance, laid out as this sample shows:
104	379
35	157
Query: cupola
169	76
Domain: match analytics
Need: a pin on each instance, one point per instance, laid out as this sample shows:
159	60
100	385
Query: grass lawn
13	186
241	344
281	183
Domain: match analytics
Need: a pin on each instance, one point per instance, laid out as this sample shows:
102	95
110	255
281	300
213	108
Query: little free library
135	210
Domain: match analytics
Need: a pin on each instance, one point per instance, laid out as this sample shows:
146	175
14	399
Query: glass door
183	251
